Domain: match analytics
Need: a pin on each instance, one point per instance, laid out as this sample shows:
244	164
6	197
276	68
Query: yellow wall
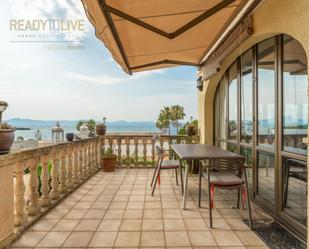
271	17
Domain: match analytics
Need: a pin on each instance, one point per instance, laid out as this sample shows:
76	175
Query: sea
70	127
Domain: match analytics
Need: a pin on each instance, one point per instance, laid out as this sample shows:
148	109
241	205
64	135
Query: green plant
177	114
6	126
192	123
108	152
90	123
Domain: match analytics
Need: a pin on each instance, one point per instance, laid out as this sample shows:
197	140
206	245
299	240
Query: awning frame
107	10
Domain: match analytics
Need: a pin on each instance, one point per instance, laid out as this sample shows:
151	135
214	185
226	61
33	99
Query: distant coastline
22	129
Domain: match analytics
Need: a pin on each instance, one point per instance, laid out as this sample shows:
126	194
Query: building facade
256	104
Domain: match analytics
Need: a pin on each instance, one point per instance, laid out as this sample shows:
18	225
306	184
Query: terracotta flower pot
191	130
6	140
100	129
108	163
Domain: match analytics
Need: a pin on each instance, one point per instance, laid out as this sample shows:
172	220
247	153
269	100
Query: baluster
99	153
80	162
153	151
145	151
85	162
119	142
127	151
75	177
34	206
110	142
54	193
136	151
45	200
63	171
69	167
91	158
20	216
161	141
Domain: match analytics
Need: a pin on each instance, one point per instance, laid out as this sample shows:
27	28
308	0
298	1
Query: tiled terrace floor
116	210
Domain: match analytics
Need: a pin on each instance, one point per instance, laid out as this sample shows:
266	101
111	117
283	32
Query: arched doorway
261	111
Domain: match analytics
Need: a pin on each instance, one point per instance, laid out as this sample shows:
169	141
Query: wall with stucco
270	18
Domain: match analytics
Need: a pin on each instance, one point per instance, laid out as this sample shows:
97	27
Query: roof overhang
144	35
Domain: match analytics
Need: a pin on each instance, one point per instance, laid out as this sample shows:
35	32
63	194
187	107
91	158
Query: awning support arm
208	13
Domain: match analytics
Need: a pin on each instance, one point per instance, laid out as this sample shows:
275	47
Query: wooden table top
202	151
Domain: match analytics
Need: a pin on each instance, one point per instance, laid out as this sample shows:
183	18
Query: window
233	131
246	96
266	93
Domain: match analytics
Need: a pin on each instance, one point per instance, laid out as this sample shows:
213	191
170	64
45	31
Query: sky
48	82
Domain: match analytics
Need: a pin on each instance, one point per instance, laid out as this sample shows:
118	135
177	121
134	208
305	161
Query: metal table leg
184	198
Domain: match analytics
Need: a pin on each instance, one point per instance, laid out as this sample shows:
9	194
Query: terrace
88	208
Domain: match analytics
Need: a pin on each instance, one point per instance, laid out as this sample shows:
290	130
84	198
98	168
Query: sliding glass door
261	112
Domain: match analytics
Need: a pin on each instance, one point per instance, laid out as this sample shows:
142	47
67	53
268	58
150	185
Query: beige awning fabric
144	35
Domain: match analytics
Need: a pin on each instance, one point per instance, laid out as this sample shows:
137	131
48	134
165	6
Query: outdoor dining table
199	152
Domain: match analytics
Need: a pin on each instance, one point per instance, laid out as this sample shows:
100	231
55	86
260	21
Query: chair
225	174
163	165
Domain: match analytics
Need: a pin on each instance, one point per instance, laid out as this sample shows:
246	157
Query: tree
163	121
177	113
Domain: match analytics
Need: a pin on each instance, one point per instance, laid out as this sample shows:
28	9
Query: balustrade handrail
52	172
138	149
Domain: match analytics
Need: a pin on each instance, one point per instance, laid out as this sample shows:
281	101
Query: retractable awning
143	34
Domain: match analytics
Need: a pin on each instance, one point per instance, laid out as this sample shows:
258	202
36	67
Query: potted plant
86	128
7	135
108	162
101	128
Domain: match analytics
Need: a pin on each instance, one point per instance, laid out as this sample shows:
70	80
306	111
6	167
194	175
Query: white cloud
86	79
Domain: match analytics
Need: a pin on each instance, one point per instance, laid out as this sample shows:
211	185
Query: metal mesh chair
163	165
225	174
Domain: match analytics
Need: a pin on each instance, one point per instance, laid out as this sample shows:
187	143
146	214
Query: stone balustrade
33	181
139	149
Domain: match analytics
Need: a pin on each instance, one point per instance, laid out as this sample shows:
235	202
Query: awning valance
143	35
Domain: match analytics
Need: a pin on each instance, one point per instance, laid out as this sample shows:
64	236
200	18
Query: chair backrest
228	164
159	150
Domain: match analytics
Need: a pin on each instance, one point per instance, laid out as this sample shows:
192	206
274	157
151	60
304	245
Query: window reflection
233	102
266	93
246	97
247	153
295	106
266	176
295	189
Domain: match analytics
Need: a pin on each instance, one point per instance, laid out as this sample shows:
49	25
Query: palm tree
163	121
177	114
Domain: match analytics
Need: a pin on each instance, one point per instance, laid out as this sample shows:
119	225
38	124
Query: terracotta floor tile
174	224
95	214
118	205
152	239
127	239
66	225
53	239
114	214
178	238
226	238
152	204
202	238
135	205
172	213
78	239
87	225
29	239
133	214
131	225
152	225
76	214
44	225
195	224
109	225
152	214
103	239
